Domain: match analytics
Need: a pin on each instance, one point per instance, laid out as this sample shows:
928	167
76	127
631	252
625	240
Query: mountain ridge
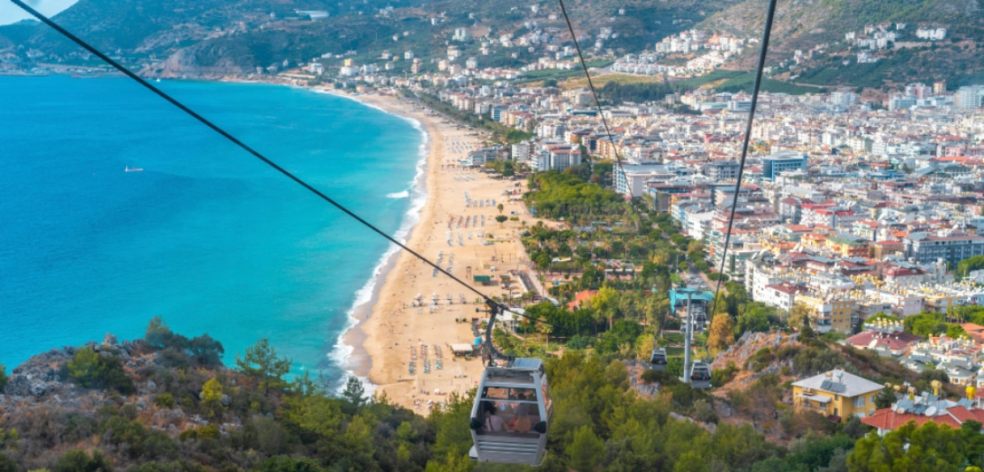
212	38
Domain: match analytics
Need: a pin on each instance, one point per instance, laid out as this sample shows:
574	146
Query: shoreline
348	352
399	342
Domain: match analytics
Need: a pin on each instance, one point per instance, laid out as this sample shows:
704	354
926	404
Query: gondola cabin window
509	410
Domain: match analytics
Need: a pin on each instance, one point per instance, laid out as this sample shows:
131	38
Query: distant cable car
700	375
511	410
657	360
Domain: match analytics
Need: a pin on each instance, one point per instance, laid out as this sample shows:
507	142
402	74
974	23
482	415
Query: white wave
398	195
342	352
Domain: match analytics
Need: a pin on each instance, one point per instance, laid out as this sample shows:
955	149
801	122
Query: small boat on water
127	169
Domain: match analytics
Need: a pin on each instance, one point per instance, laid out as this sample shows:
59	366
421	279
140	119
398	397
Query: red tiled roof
975	331
887	419
580	297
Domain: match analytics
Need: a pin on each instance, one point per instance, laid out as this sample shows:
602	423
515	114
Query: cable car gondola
700	375
657	360
511	409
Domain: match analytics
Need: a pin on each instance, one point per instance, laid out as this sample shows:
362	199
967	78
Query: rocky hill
166	403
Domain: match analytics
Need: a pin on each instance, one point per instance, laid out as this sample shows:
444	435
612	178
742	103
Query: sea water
115	207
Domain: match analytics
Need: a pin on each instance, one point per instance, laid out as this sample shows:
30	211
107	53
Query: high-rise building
969	97
721	170
951	248
783	161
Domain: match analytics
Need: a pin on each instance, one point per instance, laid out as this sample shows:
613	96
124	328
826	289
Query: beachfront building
480	156
836	393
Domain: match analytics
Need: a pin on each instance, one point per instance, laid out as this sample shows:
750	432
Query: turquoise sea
204	236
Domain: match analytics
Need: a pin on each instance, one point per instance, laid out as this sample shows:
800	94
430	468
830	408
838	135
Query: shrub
649	376
91	369
760	359
3	377
7	464
720	377
704	411
209	431
137	440
164	400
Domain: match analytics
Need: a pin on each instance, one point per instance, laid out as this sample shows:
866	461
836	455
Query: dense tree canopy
912	448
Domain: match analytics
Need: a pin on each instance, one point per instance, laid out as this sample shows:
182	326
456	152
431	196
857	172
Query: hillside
214	37
166	403
817	28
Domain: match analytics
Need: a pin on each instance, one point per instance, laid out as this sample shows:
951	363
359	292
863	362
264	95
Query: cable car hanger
512	407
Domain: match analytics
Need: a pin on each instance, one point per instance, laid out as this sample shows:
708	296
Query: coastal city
860	214
578	236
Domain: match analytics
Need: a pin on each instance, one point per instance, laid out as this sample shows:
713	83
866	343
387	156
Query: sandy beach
403	341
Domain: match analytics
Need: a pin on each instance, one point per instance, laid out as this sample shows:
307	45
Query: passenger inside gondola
509	410
493	423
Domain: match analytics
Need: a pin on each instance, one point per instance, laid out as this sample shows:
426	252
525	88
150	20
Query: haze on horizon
10	13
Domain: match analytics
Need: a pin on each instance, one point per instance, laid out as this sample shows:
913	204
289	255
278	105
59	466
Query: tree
354	393
692	461
3	377
501	218
721	332
211	396
604	303
885	398
919	448
644	346
317	415
585	450
968	265
500	207
289	464
262	364
799	316
755	318
79	461
158	333
925	324
205	350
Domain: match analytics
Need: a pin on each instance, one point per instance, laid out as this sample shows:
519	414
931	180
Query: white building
969	97
558	157
630	179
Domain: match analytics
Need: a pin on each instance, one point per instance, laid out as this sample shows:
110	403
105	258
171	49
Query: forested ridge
165	403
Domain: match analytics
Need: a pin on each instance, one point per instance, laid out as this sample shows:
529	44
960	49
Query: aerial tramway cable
766	33
658	356
594	92
256	154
